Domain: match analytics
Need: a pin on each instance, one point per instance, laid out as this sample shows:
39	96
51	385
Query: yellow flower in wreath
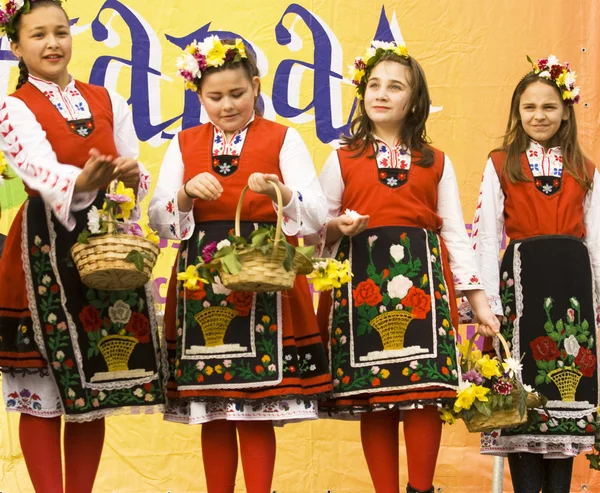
447	416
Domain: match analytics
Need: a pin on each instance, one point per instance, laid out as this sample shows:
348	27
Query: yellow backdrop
473	53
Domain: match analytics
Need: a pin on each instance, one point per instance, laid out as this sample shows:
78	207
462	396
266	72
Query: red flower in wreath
367	292
586	360
90	318
139	327
418	301
544	348
242	300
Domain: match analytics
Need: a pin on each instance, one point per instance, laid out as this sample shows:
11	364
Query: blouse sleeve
305	213
163	211
333	187
127	145
488	230
591	211
31	157
454	233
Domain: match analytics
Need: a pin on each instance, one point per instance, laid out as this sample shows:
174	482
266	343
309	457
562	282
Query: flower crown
8	15
362	67
199	57
561	74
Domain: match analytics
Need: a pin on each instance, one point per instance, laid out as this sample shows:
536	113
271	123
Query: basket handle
472	340
238	213
112	188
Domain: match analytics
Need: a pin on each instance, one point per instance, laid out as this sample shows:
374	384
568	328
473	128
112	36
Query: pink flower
208	251
227	363
571	314
80	402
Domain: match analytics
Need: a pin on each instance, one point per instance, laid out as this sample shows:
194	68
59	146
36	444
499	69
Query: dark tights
531	473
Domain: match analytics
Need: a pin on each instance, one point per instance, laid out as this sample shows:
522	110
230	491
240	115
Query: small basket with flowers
490	395
114	253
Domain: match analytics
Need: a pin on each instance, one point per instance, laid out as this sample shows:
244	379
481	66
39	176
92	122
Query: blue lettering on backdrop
141	71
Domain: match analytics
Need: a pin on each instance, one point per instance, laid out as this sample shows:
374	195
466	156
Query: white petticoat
280	412
31	394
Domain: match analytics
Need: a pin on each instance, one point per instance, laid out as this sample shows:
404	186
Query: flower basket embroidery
116	350
392	327
564	355
214	322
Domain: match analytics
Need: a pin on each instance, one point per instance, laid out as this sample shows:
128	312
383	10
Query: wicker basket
505	418
263	273
101	262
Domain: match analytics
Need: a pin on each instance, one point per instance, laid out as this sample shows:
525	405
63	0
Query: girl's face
542	111
45	44
387	95
228	98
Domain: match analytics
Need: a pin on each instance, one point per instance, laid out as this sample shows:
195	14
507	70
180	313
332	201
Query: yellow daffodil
216	55
464	349
127	206
151	234
467	396
191	86
191	278
567	95
401	50
239	45
489	367
447	416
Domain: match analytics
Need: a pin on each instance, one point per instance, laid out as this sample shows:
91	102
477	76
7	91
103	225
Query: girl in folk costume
541	189
268	363
65	140
393	330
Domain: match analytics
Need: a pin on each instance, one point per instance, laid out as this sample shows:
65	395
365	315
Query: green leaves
231	263
83	237
137	258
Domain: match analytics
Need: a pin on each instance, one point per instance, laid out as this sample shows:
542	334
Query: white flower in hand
353	214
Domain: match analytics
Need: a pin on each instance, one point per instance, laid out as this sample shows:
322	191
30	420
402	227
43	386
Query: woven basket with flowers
114	253
490	395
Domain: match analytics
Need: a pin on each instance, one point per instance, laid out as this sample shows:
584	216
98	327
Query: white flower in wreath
414	364
442	331
138	392
217	286
382	309
94	220
582	423
272	367
397	252
119	313
200	365
572	346
398	287
375	370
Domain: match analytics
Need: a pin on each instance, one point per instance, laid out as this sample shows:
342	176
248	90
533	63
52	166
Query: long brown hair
14	37
516	141
248	64
413	133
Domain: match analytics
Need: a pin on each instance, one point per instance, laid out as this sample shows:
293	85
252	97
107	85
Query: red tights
220	455
40	442
422	434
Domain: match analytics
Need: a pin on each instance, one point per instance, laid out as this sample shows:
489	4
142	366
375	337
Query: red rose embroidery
196	294
90	318
544	348
418	301
139	327
367	292
586	360
242	300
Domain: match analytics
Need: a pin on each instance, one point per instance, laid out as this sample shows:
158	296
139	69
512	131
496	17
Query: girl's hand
128	172
204	186
351	227
259	183
489	325
98	172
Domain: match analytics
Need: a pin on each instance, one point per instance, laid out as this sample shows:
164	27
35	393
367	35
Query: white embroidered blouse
35	161
488	224
303	215
453	231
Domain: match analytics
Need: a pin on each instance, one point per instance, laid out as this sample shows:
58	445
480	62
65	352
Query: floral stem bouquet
490	395
263	262
114	253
